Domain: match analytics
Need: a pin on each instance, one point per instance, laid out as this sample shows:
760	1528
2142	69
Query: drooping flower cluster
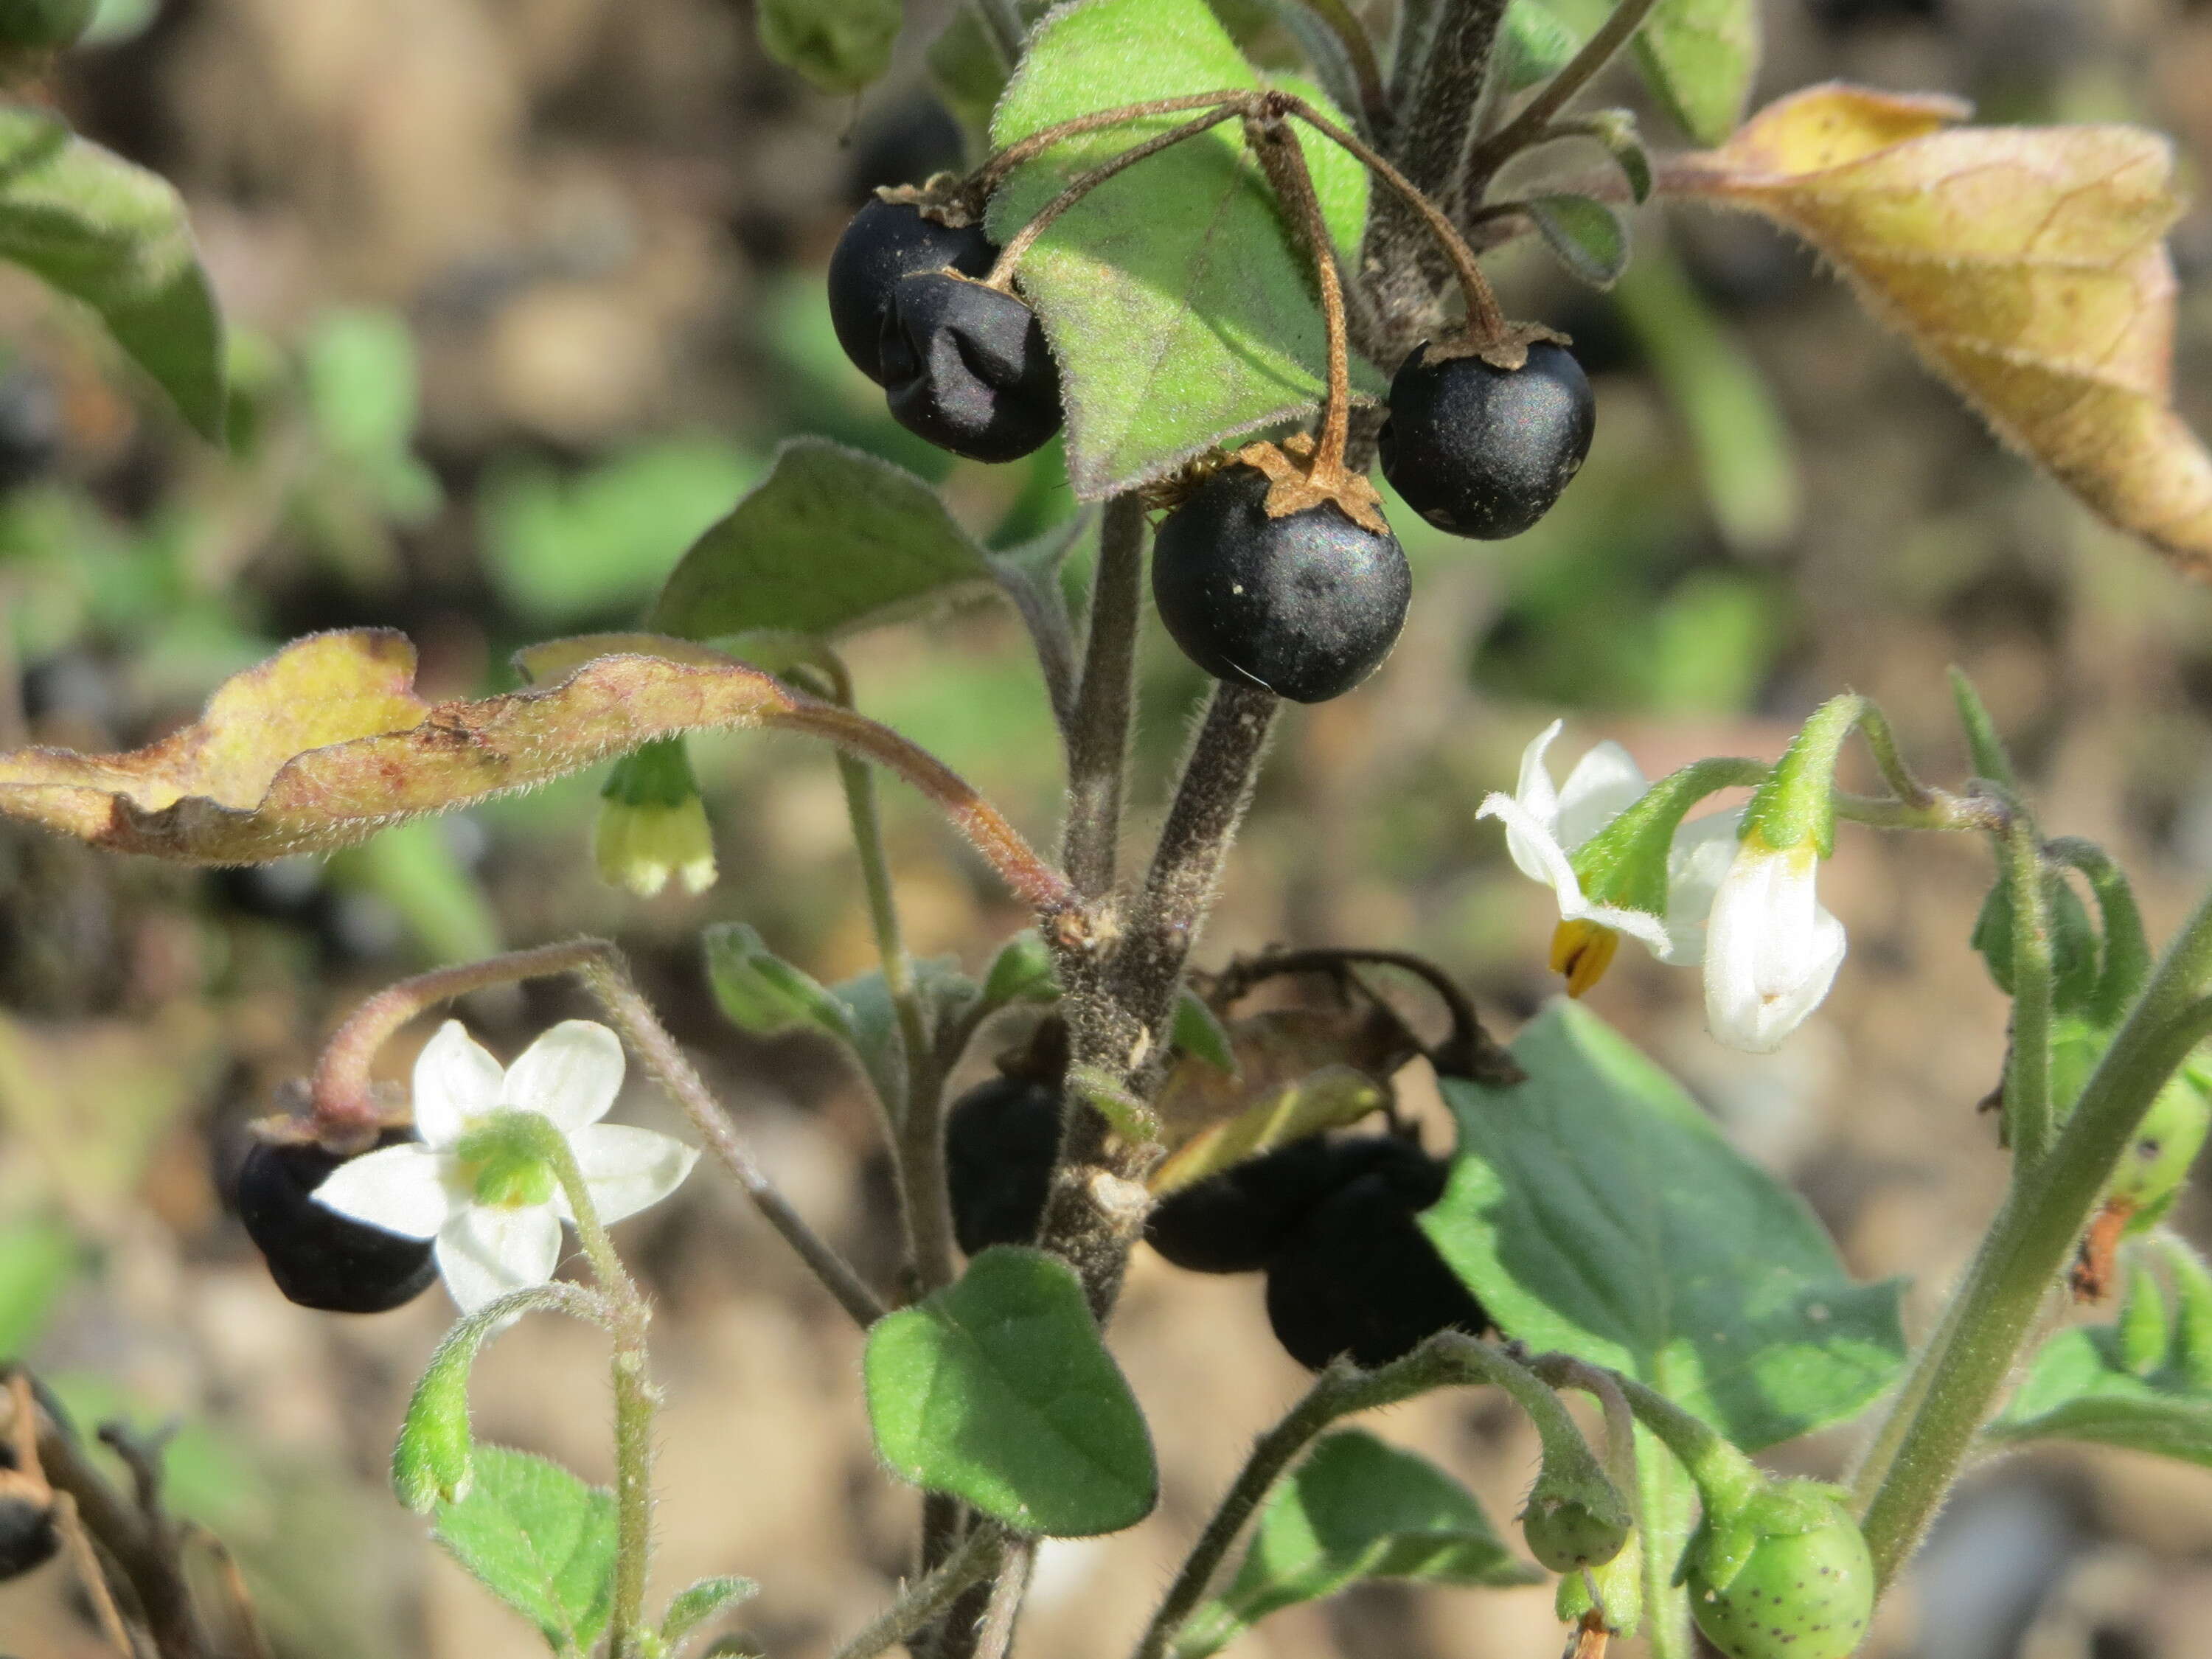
1711	891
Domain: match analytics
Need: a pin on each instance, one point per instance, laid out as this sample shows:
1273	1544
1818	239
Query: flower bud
652	824
1771	950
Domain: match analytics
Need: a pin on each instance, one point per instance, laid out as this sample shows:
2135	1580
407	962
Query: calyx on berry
1784	1575
1001	1140
1268	576
1358	1276
901	232
318	1258
966	366
1481	450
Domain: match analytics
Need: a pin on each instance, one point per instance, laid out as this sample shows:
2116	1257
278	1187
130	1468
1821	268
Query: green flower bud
1785	1575
652	824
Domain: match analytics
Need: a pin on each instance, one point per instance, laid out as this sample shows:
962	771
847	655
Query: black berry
1359	1276
1236	1222
1001	1140
967	367
1485	451
318	1258
886	241
1306	605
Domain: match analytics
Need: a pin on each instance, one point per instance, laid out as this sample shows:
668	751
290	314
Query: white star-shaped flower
497	1219
1546	826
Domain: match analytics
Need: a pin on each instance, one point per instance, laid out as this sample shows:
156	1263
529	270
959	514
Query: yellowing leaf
2025	263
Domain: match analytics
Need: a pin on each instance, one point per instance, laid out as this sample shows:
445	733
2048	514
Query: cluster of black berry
1332	1224
1276	568
318	1258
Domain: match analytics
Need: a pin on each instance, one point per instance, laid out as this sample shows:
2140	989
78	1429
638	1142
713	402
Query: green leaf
1357	1508
37	1260
693	1606
1178	304
839	46
945	994
1616	130
764	994
999	1391
1594	1208
115	236
2140	1383
1533	45
2072	941
1200	1033
1590	239
541	1540
1700	56
830	542
564	550
1022	972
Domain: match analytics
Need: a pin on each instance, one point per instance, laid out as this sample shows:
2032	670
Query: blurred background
523	294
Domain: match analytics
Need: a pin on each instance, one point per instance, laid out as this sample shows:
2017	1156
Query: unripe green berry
1565	1532
1787	1575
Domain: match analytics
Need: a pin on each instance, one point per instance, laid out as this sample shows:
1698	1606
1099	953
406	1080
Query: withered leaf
327	742
2026	266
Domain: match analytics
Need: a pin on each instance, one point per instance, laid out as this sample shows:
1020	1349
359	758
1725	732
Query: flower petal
625	1169
1537	800
1554	871
1604	781
571	1075
1772	950
401	1189
485	1251
455	1080
1700	858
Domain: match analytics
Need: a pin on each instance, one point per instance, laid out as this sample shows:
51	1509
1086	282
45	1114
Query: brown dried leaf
2025	263
326	743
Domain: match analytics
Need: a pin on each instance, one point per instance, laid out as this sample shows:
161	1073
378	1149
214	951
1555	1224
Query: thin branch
979	1552
1528	126
996	1639
1105	708
1002	22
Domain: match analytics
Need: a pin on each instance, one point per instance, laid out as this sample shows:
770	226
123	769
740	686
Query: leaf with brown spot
327	743
2026	264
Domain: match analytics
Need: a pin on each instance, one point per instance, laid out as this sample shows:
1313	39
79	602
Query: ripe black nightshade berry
1306	605
1359	1276
886	241
1485	451
1238	1221
1001	1139
318	1258
967	367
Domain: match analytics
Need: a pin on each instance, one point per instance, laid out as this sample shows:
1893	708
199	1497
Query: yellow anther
1583	951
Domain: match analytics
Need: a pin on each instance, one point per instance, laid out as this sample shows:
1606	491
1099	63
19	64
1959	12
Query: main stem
1956	1379
1105	702
2027	1104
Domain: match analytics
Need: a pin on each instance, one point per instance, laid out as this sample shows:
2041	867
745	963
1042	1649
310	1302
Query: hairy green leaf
114	235
944	993
693	1606
830	542
1357	1508
999	1391
1590	239
1595	1209
1700	56
541	1540
1179	305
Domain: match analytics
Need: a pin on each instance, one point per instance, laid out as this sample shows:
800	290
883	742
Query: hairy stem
1105	702
996	1637
1002	22
1275	142
1449	1360
930	1595
2028	1103
988	177
1956	1379
1528	126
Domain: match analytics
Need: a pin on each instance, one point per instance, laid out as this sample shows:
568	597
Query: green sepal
1983	743
657	774
1795	805
1625	864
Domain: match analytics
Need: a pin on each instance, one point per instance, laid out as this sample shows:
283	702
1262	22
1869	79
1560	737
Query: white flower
1773	950
1545	826
497	1220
